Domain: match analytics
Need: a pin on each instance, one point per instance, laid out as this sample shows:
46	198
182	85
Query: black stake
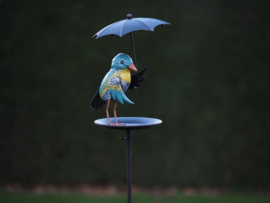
129	172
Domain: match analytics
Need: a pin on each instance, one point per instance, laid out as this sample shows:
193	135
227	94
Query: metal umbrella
130	25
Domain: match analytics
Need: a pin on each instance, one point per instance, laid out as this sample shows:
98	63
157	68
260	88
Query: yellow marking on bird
124	75
115	87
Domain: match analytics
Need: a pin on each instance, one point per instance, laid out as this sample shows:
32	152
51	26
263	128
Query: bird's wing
116	91
137	79
97	102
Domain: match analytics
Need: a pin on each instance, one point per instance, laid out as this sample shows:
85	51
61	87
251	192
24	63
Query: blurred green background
208	80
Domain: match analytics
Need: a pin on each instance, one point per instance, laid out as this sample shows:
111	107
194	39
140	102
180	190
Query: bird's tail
97	102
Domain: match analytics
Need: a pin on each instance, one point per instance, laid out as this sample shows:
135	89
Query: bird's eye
122	61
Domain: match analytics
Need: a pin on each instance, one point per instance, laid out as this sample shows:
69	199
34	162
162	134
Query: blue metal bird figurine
115	84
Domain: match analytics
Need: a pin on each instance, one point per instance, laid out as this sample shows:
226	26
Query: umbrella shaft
134	54
133	48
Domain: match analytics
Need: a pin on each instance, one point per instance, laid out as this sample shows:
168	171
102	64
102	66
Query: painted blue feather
119	95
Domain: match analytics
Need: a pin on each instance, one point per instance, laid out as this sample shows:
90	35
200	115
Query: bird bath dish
131	123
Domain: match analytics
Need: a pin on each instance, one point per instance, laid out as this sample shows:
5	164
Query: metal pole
129	172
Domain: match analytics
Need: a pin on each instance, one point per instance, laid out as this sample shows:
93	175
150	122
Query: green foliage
208	80
142	198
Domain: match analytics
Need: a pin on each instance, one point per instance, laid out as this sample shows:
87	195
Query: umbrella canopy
128	25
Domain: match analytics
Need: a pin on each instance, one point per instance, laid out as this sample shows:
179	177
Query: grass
6	197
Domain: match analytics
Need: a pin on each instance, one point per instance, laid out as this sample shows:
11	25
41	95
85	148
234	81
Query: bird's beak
132	67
